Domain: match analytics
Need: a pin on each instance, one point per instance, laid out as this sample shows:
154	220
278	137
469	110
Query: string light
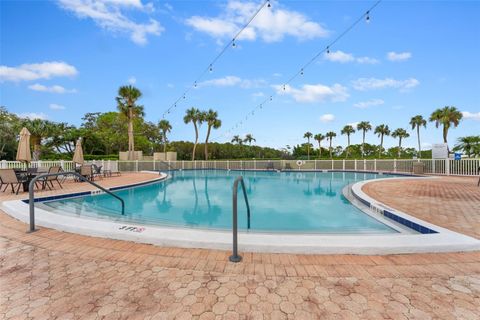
233	43
269	5
210	68
365	16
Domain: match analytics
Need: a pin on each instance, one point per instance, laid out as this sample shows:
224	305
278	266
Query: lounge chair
8	177
48	181
270	166
97	170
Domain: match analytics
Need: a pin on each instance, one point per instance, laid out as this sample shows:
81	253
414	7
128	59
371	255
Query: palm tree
211	118
308	135
348	130
165	127
469	144
330	135
364	126
400	134
417	122
446	117
39	129
249	139
194	116
381	130
319	137
236	139
126	99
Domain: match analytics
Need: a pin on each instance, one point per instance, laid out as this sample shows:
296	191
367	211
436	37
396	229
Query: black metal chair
97	171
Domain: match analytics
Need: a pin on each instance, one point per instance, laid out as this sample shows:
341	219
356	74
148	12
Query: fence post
343	164
394	165
447	167
374	164
332	164
364	164
136	165
109	165
355	165
254	164
4	164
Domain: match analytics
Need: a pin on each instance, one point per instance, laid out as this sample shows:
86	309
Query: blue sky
61	59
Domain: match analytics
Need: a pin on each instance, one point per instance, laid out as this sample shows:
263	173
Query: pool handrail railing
235	257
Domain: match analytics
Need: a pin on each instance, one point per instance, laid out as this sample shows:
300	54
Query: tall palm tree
319	137
381	130
330	135
400	134
39	129
236	139
249	139
308	135
165	127
446	117
211	118
364	126
347	130
417	122
194	116
126	104
469	144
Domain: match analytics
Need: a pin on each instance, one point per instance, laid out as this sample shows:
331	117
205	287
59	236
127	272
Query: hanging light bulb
210	68
301	72
328	49
271	98
195	84
184	97
283	87
367	17
233	43
268	4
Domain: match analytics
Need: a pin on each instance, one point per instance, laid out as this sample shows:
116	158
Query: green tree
417	122
10	126
319	137
381	131
364	126
194	116
236	139
39	130
165	127
308	135
211	118
347	130
330	135
249	139
400	134
470	145
447	116
126	104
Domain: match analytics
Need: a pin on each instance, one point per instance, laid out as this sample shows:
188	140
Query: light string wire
209	67
301	71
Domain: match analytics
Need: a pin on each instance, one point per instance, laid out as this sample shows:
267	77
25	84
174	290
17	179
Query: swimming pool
292	202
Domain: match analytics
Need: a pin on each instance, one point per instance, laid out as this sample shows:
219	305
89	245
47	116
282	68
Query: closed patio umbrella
23	151
78	155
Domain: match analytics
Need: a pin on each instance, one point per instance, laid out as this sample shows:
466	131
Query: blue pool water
307	202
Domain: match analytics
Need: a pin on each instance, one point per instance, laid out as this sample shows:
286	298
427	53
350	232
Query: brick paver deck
51	274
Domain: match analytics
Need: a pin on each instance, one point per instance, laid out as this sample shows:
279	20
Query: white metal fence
464	167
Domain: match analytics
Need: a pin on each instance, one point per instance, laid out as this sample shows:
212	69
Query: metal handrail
235	257
31	199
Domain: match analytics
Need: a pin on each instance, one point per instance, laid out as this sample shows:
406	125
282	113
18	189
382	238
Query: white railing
464	167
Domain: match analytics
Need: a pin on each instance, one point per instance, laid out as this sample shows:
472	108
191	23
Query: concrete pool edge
443	241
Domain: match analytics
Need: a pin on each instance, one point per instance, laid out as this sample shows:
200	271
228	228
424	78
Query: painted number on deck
132	229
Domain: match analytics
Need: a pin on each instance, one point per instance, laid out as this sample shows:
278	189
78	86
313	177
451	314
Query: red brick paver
50	274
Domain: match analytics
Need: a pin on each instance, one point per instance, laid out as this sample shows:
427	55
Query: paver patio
50	274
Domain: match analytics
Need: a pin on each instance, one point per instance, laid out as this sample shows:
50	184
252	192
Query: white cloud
369	103
35	71
315	92
354	124
471	115
170	85
271	24
328	117
32	115
398	56
258	94
363	84
52	89
108	15
343	57
55	106
230	81
132	80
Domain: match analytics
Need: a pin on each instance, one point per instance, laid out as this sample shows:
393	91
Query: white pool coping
443	241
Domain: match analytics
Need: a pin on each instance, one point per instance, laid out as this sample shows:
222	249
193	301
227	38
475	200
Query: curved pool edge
443	240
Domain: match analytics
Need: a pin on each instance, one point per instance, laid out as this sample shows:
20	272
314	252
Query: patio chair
97	170
87	172
48	181
8	177
270	166
288	166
